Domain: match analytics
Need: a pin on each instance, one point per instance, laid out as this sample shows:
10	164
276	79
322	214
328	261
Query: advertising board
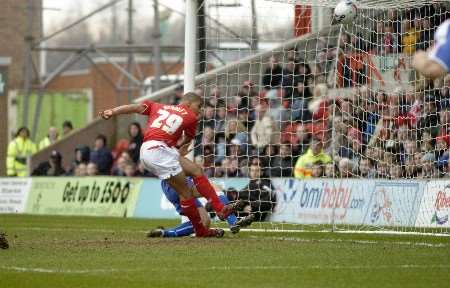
352	202
435	205
90	196
14	194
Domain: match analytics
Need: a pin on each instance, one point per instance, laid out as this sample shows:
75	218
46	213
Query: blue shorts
173	197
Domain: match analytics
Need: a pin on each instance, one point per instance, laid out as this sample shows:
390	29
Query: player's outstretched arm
124	109
426	66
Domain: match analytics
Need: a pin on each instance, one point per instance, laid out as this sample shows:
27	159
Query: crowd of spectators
292	126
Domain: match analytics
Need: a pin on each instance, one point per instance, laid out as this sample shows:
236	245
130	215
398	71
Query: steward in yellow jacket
18	151
51	138
315	154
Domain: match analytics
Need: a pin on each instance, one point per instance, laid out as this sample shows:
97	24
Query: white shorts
160	159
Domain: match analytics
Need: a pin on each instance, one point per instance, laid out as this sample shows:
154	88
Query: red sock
206	190
190	210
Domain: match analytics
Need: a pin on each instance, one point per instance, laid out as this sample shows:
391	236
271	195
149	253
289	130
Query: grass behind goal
50	251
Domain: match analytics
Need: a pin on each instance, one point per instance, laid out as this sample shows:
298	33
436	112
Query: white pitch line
303	240
78	230
63	271
344	232
224	268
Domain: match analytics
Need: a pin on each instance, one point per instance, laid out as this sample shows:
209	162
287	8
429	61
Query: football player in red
170	127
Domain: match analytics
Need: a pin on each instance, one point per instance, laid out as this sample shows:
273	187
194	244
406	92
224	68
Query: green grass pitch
92	252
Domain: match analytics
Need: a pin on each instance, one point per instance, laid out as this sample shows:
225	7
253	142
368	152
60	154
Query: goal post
321	126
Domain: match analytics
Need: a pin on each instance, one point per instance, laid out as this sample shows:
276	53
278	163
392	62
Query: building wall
13	28
104	96
103	91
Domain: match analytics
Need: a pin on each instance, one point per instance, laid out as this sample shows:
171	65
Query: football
344	12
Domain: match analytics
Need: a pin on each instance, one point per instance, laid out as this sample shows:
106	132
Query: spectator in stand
119	167
236	130
67	128
442	143
273	75
279	114
91	169
366	169
101	156
317	170
427	142
313	155
130	170
246	94
208	160
428	169
299	139
82	155
266	159
425	35
235	152
410	37
408	149
81	170
215	99
221	122
208	118
295	71
51	138
206	140
346	168
395	171
229	168
259	195
411	169
263	129
282	164
444	121
354	149
52	167
19	149
330	170
377	37
179	92
142	172
383	170
136	139
299	103
371	119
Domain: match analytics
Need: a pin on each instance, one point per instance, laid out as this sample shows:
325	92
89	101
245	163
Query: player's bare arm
427	66
124	109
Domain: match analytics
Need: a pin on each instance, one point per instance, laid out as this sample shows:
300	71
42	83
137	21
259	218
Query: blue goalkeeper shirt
441	50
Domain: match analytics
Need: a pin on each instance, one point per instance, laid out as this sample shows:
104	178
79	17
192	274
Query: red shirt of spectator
166	123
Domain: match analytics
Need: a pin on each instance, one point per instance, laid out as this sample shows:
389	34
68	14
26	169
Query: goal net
322	126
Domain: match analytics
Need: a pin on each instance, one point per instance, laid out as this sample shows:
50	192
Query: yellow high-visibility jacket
304	163
45	143
18	151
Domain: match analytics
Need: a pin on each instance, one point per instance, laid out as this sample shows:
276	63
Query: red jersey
166	123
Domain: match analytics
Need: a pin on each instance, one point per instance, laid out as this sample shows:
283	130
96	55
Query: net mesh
330	123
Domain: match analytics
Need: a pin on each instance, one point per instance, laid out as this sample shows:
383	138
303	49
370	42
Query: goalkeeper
186	228
435	62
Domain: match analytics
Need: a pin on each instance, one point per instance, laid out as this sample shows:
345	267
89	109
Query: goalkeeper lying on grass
186	229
